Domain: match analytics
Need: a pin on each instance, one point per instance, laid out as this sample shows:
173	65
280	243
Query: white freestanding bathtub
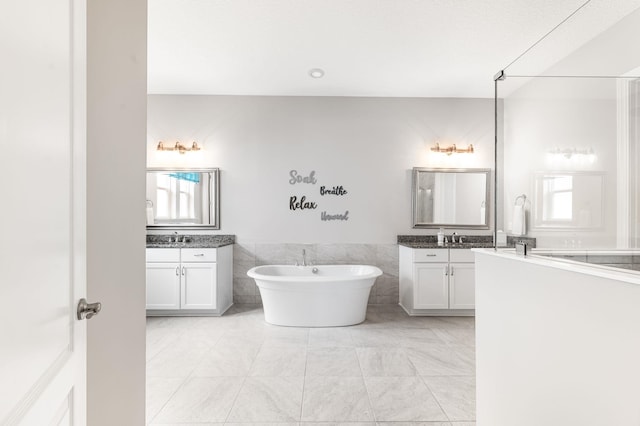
315	296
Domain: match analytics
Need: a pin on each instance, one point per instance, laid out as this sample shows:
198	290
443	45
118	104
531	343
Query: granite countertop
464	245
470	241
431	241
192	241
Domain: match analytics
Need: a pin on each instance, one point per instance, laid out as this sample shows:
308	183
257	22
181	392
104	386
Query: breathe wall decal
301	202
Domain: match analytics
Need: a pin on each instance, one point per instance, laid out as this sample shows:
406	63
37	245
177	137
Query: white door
431	289
42	212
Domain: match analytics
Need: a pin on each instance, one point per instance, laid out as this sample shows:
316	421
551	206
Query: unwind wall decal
302	202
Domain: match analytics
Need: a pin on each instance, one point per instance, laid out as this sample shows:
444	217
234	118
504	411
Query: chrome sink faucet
175	238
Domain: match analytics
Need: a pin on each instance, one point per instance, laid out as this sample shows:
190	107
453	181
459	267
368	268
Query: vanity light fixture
569	153
178	147
453	149
316	73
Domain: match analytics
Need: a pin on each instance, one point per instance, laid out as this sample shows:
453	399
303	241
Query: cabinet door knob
446	271
451	270
199	254
177	271
183	268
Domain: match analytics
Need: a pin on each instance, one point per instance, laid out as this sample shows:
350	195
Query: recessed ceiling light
316	73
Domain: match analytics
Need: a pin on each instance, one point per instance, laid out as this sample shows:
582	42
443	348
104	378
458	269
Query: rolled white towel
150	220
518	226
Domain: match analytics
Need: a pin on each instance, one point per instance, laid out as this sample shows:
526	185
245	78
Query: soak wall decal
301	202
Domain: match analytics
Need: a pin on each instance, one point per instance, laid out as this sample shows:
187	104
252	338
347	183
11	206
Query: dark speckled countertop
469	241
193	241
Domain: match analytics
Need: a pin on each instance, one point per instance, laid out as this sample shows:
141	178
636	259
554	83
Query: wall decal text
325	216
336	190
296	178
303	204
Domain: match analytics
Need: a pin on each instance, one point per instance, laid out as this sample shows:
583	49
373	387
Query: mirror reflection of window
568	200
558	198
163	189
184	198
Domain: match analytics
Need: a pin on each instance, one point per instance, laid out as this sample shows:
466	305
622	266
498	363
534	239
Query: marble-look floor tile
332	362
286	336
243	337
172	362
385	362
461	322
280	361
443	360
201	400
393	316
455	394
200	337
403	399
187	424
159	339
413	424
227	361
261	424
416	337
268	399
158	391
336	337
457	336
337	424
370	337
336	399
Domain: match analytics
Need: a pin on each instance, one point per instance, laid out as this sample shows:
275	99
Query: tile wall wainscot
248	255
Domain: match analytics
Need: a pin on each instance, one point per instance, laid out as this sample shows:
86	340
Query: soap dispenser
441	237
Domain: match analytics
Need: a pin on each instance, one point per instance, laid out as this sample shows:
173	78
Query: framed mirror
568	200
183	198
452	198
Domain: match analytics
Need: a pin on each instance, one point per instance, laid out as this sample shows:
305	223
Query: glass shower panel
570	145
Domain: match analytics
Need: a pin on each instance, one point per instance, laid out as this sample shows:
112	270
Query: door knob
88	310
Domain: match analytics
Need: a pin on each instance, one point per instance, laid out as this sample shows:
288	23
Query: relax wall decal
300	203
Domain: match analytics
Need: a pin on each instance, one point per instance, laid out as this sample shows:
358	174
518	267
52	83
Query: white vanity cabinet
437	281
189	281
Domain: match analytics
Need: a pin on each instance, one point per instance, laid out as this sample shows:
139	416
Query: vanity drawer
431	255
199	255
461	255
163	255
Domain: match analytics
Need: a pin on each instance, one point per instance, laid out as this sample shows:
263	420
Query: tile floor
391	370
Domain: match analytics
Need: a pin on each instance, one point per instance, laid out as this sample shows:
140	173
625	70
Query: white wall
366	145
116	108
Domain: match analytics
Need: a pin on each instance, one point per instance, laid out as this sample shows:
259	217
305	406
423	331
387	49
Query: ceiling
386	48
